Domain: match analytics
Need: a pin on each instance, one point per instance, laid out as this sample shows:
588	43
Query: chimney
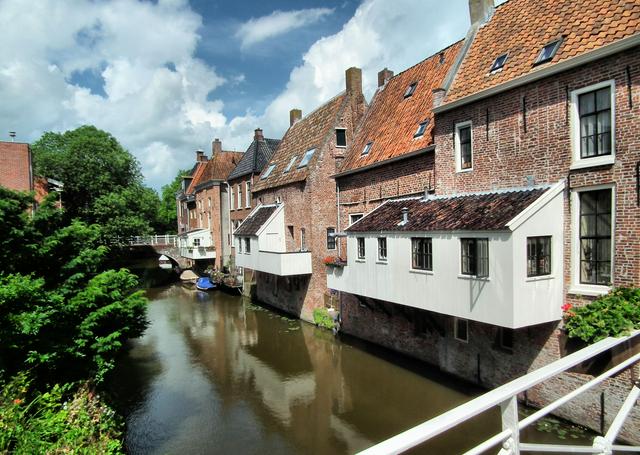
353	78
384	76
405	215
216	147
257	135
480	11
12	134
294	116
200	156
438	96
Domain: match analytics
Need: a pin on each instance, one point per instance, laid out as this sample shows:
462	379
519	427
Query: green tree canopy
167	214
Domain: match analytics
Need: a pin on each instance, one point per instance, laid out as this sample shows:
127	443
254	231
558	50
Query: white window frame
592	290
268	172
345	138
239	193
456	145
577	161
247	195
455	330
231	199
386	249
239	244
290	165
306	158
364	249
351	215
366	149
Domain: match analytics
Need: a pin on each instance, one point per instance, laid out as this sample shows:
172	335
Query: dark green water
215	374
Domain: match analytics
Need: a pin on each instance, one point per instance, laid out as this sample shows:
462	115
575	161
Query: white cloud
158	96
257	30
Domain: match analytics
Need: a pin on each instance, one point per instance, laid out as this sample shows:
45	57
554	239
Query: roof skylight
268	172
409	91
548	52
306	158
366	149
422	126
498	63
290	165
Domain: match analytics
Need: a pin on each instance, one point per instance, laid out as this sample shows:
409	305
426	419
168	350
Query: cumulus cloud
158	98
257	30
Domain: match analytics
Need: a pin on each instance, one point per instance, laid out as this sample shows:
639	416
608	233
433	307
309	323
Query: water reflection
215	374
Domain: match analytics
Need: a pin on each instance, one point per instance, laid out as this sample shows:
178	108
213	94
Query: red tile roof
196	175
521	28
308	133
221	165
392	120
470	212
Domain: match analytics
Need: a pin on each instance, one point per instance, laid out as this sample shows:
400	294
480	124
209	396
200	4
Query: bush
65	419
322	318
614	314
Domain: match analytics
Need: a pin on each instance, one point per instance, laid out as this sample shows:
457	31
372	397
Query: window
366	149
595	237
303	240
461	329
196	241
240	245
247	245
506	338
306	158
498	63
464	153
382	248
268	172
421	254
421	128
209	200
331	239
290	165
239	195
248	194
354	217
548	52
341	137
409	91
538	256
595	114
360	247
475	257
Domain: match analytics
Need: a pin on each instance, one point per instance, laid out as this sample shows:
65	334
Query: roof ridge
444	49
485	193
344	92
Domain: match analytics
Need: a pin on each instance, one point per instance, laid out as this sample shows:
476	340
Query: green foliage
167	214
614	314
322	318
64	419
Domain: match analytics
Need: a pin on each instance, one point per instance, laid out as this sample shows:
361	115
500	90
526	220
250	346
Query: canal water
215	373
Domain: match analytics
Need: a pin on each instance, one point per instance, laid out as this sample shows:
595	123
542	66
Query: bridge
162	245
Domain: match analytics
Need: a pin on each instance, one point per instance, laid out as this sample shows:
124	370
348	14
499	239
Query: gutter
430	148
605	51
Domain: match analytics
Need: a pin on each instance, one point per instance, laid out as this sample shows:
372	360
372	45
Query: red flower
17	401
566	307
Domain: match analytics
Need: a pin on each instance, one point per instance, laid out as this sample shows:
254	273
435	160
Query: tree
167	216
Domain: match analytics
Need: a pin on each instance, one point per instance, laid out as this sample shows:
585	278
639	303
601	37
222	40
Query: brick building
244	175
541	109
297	188
203	208
15	166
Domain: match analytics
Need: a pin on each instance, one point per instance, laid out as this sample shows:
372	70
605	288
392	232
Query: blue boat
205	284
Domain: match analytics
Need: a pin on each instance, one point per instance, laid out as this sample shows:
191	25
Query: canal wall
430	337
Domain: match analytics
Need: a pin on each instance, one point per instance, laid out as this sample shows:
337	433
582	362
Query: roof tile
252	224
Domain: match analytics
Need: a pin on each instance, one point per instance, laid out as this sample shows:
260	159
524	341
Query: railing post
509	414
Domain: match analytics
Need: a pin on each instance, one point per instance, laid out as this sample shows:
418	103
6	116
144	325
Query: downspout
228	222
338	220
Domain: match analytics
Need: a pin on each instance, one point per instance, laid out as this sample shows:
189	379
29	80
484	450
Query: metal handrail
167	239
506	395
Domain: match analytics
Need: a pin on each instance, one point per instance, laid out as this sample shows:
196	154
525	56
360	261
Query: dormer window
409	91
306	158
366	149
341	137
290	165
268	172
421	128
548	52
498	63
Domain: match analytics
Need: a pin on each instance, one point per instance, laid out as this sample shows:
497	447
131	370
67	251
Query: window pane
587	103
587	249
604	201
603	98
603	250
587	225
465	134
588	202
604	226
604	273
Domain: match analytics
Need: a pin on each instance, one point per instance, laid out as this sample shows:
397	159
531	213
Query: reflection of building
203	208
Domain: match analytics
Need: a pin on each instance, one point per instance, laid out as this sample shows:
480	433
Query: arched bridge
161	244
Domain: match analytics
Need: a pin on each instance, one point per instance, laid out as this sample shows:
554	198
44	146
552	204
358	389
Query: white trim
456	145
351	223
544	71
247	194
386	246
576	287
577	162
345	137
532	209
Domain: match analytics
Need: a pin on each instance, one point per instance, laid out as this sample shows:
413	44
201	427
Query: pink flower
566	307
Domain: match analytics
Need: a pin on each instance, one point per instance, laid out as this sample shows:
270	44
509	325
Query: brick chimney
200	156
216	147
438	96
384	76
353	78
480	11
257	135
294	116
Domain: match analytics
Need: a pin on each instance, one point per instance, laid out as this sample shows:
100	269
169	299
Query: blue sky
166	77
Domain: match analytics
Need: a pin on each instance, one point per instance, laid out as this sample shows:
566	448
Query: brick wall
504	153
15	166
204	209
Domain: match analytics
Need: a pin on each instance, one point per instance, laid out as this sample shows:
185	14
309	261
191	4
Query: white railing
505	397
167	239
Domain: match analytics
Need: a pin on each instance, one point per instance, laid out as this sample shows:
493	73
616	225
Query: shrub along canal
215	373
